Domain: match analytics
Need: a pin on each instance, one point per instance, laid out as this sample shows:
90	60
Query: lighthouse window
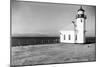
64	37
81	20
80	16
76	37
69	37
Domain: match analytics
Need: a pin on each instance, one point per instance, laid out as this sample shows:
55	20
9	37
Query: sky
38	19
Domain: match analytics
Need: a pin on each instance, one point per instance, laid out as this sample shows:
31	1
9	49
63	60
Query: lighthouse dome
81	9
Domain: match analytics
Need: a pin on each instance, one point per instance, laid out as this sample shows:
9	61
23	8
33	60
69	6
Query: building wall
67	37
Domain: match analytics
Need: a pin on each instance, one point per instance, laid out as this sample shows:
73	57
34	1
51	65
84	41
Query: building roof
69	27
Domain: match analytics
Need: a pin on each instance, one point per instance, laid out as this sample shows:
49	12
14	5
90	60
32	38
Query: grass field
52	53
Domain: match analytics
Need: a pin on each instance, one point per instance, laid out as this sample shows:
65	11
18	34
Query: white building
78	33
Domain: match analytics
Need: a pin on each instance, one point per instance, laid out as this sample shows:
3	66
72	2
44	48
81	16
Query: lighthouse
79	26
78	33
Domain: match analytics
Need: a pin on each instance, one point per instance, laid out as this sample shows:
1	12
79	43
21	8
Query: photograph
43	33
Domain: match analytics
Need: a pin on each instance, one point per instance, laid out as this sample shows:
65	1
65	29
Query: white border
5	33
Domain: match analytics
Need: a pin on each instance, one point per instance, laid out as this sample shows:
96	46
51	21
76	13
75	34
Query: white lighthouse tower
78	35
79	26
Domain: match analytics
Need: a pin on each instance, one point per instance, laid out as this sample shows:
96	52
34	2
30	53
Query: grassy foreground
52	53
